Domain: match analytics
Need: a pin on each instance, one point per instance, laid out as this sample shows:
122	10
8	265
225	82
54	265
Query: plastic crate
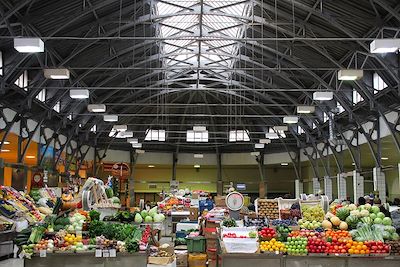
181	234
196	244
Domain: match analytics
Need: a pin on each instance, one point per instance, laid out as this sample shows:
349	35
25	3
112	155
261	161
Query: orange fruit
362	251
356	251
351	251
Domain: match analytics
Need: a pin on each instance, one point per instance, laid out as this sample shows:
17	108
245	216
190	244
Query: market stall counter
88	260
262	260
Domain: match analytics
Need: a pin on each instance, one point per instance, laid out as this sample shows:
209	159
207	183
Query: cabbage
159	217
153	211
138	218
148	219
144	213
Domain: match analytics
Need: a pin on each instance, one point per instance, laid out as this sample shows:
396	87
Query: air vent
152	186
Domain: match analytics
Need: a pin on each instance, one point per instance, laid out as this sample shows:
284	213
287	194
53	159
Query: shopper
378	202
361	201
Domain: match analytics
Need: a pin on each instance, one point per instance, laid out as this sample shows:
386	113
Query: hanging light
79	93
97	108
384	46
281	128
28	45
305	109
138	145
5	143
132	140
198	156
350	75
120	128
323	96
290	119
110	118
265	141
284	164
139	151
259	146
197	166
255	153
56	74
199	128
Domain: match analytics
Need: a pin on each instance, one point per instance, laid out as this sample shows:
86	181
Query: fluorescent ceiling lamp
290	119
198	156
97	108
197	166
281	128
133	140
56	74
259	145
384	46
239	136
197	136
138	145
255	153
151	166
284	164
199	128
79	93
5	143
265	141
384	158
127	134
29	45
323	96
120	127
350	75
5	150
271	136
30	157
139	151
110	118
305	109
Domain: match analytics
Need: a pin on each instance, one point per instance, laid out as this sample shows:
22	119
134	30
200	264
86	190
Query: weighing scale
234	201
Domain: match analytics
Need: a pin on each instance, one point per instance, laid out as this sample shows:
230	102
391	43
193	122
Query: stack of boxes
211	234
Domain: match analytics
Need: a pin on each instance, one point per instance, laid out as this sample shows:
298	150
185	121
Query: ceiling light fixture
284	164
5	143
198	156
199	128
97	108
259	146
305	109
5	150
30	157
350	74
126	134
132	140
271	136
265	141
255	153
384	158
137	145
110	118
120	127
384	46
29	45
151	166
290	119
323	96
139	151
56	74
281	128
197	166
79	93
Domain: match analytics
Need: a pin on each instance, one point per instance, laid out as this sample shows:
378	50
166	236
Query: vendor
378	202
361	201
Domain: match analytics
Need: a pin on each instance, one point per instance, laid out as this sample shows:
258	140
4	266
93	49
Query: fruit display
316	245
394	247
282	232
258	222
284	222
336	247
377	247
296	245
267	233
229	222
292	213
272	246
305	224
268	208
357	248
312	213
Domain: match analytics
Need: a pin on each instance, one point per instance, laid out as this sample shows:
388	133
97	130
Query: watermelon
352	221
342	213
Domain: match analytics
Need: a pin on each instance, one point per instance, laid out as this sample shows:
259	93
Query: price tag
98	253
113	253
277	252
21	255
43	253
106	253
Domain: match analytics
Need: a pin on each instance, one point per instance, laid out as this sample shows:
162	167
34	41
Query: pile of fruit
293	213
394	247
272	246
267	233
313	215
296	245
316	245
268	208
357	248
284	222
282	232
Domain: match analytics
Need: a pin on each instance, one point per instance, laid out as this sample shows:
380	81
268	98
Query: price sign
106	253
43	253
113	253
98	253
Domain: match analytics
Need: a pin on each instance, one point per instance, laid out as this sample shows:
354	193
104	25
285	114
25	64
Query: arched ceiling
227	64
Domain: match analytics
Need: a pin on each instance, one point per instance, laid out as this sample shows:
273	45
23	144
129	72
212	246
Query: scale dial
234	201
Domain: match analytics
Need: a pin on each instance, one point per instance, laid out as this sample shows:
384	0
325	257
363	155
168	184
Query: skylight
357	98
155	135
94	128
300	130
378	83
194	19
273	134
57	107
239	136
22	81
197	136
41	96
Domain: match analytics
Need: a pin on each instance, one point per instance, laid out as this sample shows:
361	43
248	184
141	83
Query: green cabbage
148	219
153	211
138	218
159	217
144	213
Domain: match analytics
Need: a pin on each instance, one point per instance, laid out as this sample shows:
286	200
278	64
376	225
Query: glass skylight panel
357	98
340	107
196	136
300	130
325	117
239	136
41	96
93	129
1	63
378	83
155	135
22	81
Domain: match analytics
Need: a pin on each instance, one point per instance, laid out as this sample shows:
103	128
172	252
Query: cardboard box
212	224
212	254
172	264
197	260
211	243
194	213
210	233
181	258
161	260
220	201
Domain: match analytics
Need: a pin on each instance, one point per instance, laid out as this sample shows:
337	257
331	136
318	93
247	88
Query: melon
342	213
326	224
352	221
335	221
343	226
